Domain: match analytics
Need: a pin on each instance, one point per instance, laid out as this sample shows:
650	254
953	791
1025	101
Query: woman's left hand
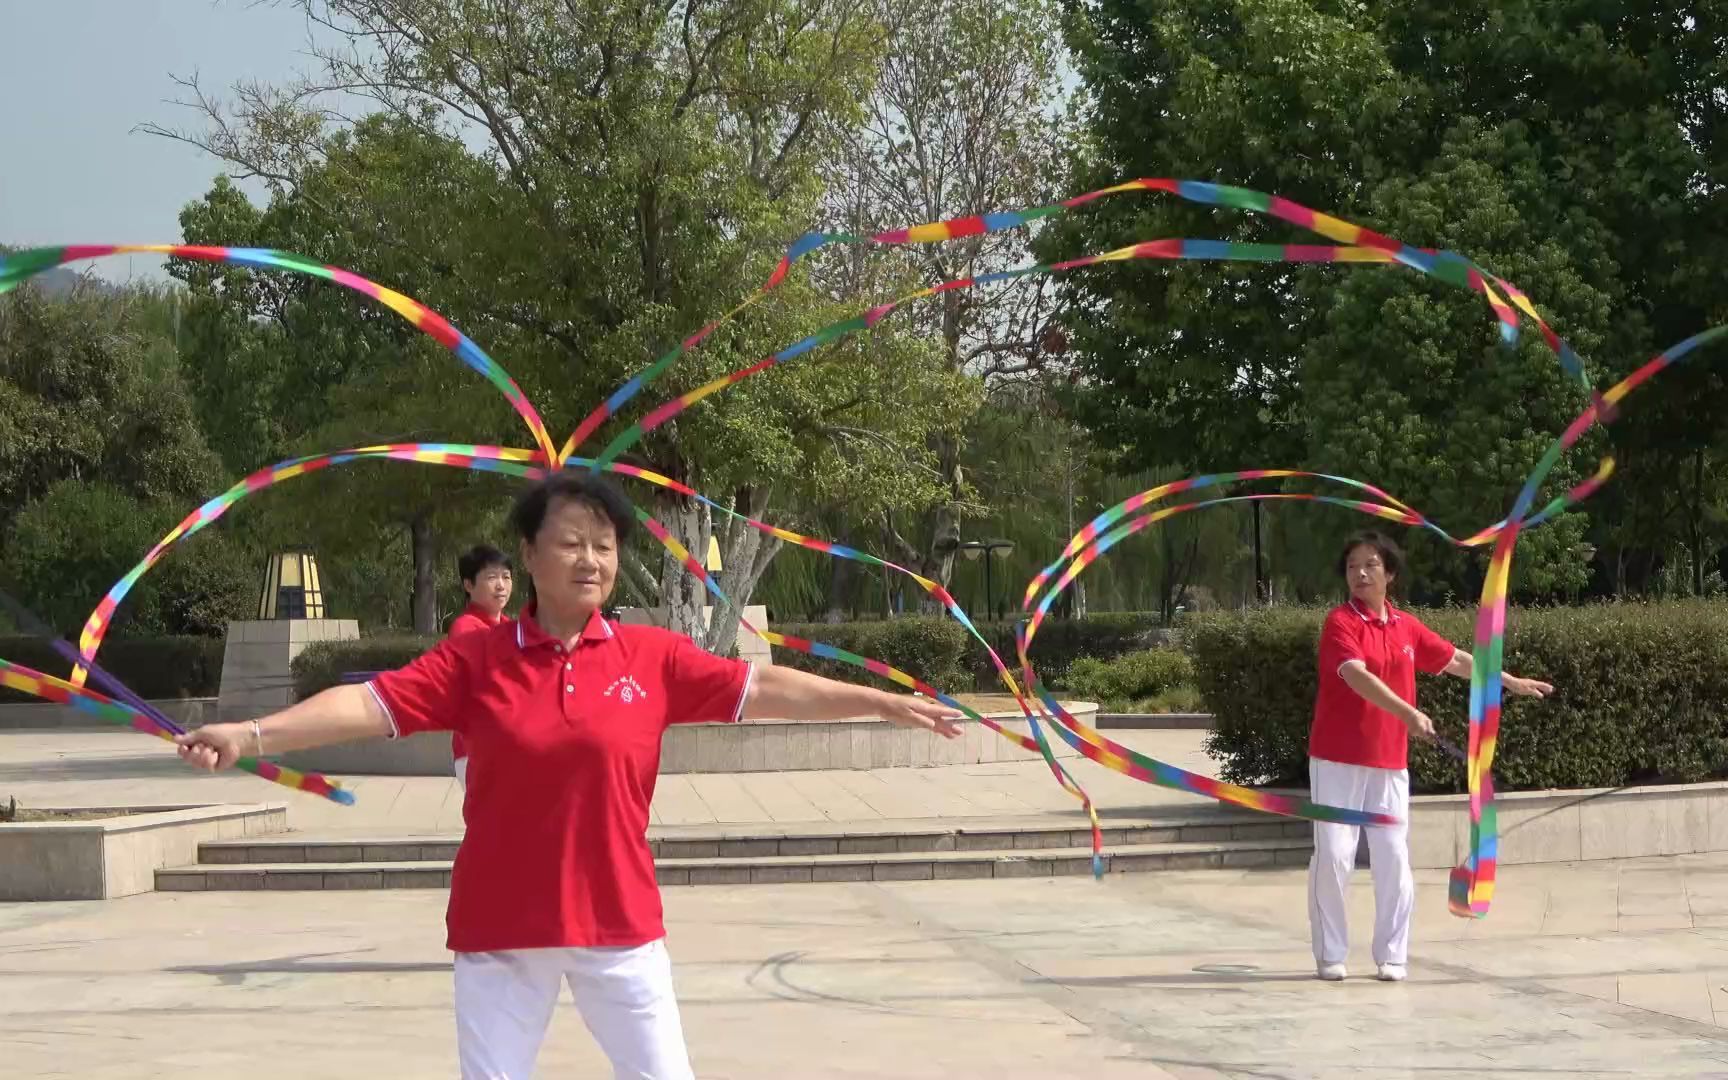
1526	687
903	710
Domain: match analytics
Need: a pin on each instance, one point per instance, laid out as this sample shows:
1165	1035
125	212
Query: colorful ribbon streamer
19	266
1470	889
48	688
1086	547
1363	245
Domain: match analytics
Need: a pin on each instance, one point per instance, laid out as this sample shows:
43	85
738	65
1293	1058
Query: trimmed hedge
930	647
934	648
1130	682
159	668
322	664
1641	695
1061	642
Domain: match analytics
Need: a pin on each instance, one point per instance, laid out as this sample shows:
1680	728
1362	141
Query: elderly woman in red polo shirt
1359	746
563	713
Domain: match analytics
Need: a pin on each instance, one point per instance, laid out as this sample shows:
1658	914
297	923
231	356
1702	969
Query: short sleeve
702	687
1433	652
425	695
1340	641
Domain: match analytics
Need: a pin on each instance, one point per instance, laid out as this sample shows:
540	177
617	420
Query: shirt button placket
569	683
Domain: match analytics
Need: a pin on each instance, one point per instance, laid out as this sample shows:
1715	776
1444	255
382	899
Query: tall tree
965	117
1571	147
100	454
579	185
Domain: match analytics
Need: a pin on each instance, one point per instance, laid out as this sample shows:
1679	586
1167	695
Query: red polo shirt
473	617
564	749
1346	728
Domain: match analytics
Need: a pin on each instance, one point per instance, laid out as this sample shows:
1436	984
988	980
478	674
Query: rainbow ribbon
483	458
1194	250
19	266
47	687
1470	887
32	262
1361	246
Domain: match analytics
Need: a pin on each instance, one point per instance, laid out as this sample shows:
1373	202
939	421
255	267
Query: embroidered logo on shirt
628	689
1409	652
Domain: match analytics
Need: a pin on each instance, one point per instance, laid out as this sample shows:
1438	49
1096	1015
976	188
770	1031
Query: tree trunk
744	555
681	594
643	586
1695	521
425	604
938	559
937	562
840	575
745	552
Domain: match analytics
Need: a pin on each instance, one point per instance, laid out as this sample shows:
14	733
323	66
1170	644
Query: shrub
929	647
1641	693
322	664
1060	642
64	550
1130	682
158	668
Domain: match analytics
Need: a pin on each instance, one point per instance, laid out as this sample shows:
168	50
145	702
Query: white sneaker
1392	973
1333	972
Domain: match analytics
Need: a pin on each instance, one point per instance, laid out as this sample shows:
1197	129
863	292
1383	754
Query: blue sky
84	74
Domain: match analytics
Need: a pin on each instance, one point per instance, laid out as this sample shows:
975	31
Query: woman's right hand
214	746
1419	724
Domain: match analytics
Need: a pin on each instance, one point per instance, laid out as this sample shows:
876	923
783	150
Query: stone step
758	841
772	869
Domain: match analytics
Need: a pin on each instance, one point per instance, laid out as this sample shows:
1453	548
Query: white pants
504	1001
460	767
1358	787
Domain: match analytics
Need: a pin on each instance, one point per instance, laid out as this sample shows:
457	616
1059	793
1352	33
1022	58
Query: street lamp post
997	549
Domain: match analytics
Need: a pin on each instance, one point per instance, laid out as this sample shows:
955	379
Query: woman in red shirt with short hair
487	580
563	712
1358	751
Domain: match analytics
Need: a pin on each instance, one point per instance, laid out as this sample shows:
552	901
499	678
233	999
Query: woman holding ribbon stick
562	712
1358	751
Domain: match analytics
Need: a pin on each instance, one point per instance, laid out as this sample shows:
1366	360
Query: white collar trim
1392	615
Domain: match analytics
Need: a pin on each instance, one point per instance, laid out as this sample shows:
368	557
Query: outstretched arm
1463	665
339	714
783	693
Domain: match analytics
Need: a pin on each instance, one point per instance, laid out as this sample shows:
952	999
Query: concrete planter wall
782	745
1175	721
1574	825
754	746
119	856
187	712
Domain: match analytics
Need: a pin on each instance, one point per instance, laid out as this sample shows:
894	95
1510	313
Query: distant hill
58	281
62	280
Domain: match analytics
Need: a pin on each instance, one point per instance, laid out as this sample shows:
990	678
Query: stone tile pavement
1615	968
1600	970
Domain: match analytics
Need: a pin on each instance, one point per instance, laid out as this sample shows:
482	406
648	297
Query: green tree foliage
1574	148
578	186
100	455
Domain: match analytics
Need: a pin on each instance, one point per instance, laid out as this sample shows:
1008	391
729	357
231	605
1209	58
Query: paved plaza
1602	969
1610	968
